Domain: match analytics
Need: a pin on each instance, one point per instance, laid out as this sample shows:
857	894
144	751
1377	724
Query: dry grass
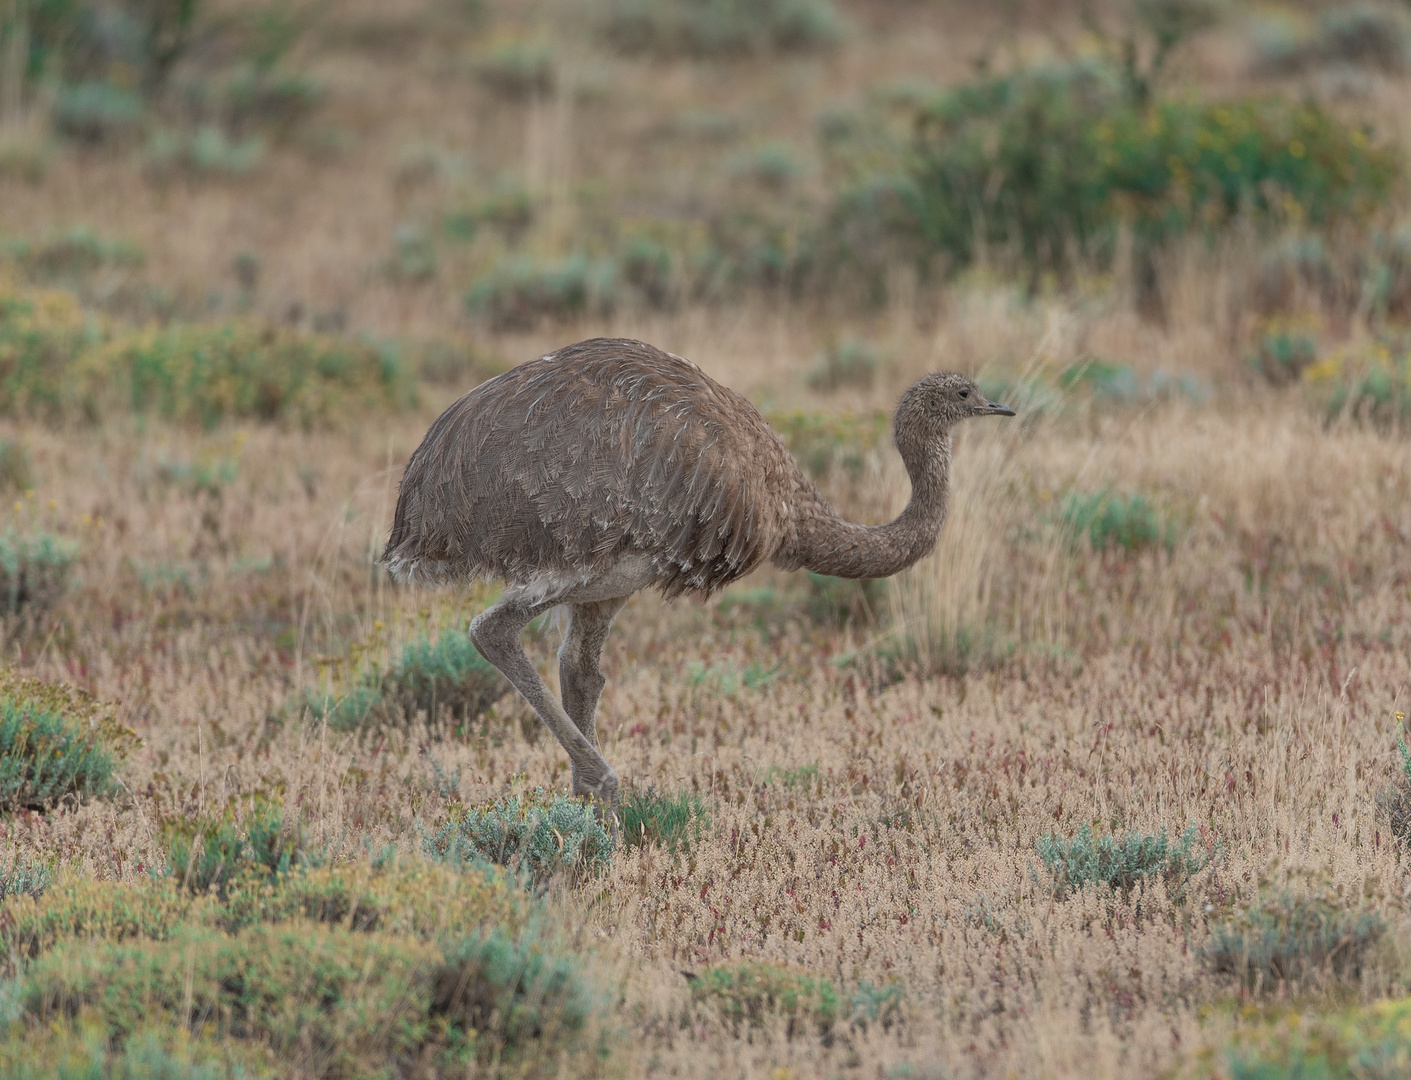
873	792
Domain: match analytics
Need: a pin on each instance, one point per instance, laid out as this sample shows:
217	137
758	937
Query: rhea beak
994	408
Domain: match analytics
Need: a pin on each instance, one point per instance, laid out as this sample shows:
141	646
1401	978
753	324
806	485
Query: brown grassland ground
873	810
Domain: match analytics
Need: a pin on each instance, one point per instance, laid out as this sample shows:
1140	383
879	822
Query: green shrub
206	856
205	374
520	292
1371	384
34	574
538	837
1114	520
450	672
76	1052
56	744
55	362
413	256
823	442
97	112
1292	937
772	166
41	334
208	151
1282	355
722	27
835	601
749	994
1040	167
426	676
72	254
666	820
1365	1042
1120	863
26	876
847	364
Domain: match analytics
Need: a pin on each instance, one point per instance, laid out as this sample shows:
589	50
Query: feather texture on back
606	449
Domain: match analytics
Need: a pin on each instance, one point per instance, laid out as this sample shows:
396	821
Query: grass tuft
537	836
56	745
665	820
1120	863
1291	938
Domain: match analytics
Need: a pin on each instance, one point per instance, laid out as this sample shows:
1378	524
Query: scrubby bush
722	27
823	442
1122	863
57	362
1113	520
1042	168
97	112
344	970
72	254
667	820
25	876
56	744
520	292
1371	384
538	836
207	151
205	374
34	574
1282	355
1364	1042
1394	804
1292	937
426	676
208	855
835	601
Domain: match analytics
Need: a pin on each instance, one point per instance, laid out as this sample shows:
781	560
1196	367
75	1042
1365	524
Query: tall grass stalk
947	608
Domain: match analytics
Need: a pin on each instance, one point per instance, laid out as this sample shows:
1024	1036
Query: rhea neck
828	544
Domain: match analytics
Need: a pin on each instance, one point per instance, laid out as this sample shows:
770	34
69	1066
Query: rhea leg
495	633
580	675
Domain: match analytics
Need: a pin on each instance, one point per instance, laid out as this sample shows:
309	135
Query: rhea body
609	467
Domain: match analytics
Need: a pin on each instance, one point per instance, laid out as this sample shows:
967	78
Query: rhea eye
965	393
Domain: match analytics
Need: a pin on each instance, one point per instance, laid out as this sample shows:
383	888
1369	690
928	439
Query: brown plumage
610	466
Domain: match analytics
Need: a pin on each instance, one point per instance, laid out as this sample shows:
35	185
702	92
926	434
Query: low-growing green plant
206	856
722	27
1371	385
726	679
749	994
835	601
1364	1042
1111	519
426	676
62	363
72	254
97	112
667	820
537	836
520	292
34	573
1041	169
1121	863
25	876
1291	937
825	441
1282	355
14	466
799	776
235	371
207	151
56	744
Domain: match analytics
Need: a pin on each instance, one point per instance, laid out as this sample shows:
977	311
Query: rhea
609	467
